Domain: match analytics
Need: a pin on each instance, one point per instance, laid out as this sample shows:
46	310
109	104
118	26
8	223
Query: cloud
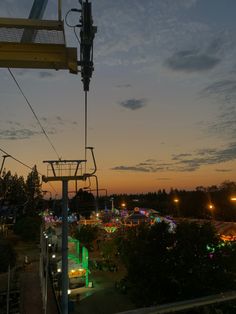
191	61
19	134
207	157
134	104
131	168
222	90
13	130
58	121
151	167
223	170
165	28
180	156
186	162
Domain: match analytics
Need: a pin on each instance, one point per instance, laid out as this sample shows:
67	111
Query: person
26	260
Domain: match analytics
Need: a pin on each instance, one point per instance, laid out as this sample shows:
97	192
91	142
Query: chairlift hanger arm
3	161
94	161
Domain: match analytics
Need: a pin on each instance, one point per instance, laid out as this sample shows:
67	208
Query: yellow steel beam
35	56
31	23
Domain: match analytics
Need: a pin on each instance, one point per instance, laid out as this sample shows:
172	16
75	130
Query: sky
161	105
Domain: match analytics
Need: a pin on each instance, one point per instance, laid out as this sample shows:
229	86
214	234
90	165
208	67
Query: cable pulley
87	34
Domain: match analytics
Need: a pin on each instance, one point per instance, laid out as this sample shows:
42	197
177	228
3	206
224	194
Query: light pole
176	201
211	207
123	205
112	204
233	200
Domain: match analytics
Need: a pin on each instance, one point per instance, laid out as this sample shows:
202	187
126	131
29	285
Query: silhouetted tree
28	227
83	203
86	234
166	267
33	192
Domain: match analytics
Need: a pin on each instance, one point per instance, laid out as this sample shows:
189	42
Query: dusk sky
162	99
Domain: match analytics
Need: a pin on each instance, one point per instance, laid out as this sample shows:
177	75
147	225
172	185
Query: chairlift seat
28	43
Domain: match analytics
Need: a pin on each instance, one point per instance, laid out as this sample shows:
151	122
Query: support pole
8	287
4	157
61	170
64	277
59	10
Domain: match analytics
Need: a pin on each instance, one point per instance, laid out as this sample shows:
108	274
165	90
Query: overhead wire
32	110
85	127
19	161
86	96
23	164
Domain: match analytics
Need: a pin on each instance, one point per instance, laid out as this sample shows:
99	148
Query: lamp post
211	208
176	202
112	204
123	205
233	200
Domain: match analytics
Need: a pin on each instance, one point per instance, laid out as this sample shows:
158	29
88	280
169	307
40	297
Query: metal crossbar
31	31
29	43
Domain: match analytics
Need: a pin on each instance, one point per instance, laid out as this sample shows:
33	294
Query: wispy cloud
191	61
223	170
14	130
222	90
133	104
57	121
224	93
186	162
20	134
123	39
207	157
131	168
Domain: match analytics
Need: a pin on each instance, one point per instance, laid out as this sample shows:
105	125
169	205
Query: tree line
214	202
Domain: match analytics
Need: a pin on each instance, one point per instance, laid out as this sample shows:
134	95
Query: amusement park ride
40	44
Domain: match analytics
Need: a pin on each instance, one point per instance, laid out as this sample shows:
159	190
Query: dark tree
33	192
87	234
28	227
166	267
83	203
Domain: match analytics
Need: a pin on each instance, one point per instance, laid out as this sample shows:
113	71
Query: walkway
30	290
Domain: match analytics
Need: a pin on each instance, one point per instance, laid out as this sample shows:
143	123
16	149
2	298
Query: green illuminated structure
76	257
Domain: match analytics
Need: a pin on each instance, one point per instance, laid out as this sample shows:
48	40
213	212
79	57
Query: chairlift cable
85	127
32	110
23	164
